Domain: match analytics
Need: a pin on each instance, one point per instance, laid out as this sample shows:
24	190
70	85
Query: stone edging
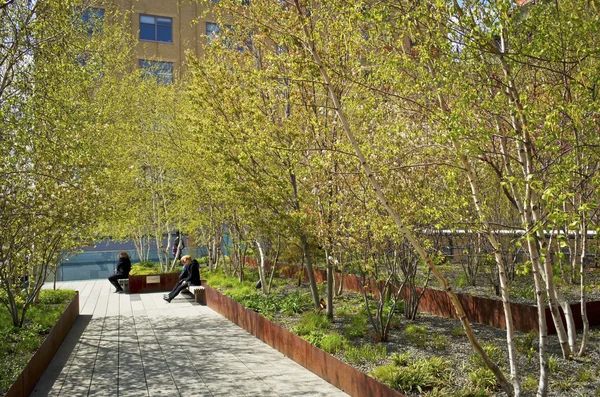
27	380
321	363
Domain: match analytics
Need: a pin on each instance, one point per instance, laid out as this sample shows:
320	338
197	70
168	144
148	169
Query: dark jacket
192	275
123	267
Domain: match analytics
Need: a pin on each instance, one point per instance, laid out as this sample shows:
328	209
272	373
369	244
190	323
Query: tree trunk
512	357
584	318
528	207
309	270
329	263
261	269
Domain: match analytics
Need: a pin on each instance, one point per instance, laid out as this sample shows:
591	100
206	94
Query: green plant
458	331
365	353
296	302
401	359
462	281
584	375
424	375
525	344
439	341
553	363
525	291
438	392
148	267
416	334
483	378
398	309
563	384
387	374
333	343
530	383
357	327
493	352
342	311
311	321
266	305
474	392
53	297
314	337
43	317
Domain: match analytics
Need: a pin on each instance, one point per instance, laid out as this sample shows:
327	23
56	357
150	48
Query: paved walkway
140	345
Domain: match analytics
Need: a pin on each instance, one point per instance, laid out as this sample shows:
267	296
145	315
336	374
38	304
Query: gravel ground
576	377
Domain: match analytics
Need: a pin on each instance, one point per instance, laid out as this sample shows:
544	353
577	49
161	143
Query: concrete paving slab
140	345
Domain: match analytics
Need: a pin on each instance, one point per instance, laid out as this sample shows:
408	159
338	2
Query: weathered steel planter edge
138	284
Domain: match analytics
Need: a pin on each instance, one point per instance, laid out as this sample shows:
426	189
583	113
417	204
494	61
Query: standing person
176	250
122	271
190	275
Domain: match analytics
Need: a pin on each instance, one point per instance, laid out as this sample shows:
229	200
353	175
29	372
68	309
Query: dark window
161	71
92	19
154	28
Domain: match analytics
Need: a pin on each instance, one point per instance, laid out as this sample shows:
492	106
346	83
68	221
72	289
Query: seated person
190	275
122	271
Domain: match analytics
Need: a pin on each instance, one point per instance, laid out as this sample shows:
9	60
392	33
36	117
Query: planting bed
433	341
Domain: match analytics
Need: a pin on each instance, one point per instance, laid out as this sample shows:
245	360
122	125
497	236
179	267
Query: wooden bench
124	283
199	293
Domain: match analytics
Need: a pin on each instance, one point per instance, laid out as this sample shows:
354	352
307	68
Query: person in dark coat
190	275
176	250
122	271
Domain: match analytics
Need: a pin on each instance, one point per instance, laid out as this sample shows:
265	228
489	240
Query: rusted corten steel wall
138	284
478	309
323	364
26	382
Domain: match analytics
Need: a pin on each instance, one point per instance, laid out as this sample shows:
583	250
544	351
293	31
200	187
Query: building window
156	28
92	19
162	72
212	30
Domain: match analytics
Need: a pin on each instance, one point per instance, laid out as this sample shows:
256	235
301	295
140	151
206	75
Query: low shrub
493	352
553	365
311	321
149	267
417	335
296	302
366	353
584	375
387	374
419	376
439	341
483	378
401	359
54	297
530	383
263	304
314	337
525	344
43	317
333	343
474	392
458	331
357	327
